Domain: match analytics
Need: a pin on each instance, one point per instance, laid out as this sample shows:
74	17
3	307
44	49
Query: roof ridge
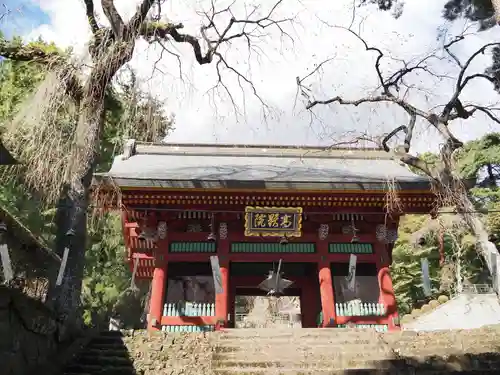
257	146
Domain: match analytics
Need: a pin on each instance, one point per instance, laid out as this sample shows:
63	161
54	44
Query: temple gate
251	206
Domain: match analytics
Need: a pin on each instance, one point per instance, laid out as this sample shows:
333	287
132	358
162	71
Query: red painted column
326	292
326	285
158	290
309	304
387	296
222	299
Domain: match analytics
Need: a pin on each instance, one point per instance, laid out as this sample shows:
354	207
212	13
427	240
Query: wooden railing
360	309
188	317
189	309
377	327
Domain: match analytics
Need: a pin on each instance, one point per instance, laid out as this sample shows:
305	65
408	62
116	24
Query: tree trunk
72	228
486	248
496	7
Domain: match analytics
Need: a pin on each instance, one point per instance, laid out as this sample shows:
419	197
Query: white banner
62	267
6	265
214	262
426	281
351	278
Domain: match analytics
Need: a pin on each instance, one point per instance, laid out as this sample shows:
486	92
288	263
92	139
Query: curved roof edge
259	167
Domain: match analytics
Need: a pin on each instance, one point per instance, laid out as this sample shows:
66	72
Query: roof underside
260	167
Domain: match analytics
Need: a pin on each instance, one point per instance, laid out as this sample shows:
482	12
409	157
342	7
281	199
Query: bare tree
393	89
4	12
110	49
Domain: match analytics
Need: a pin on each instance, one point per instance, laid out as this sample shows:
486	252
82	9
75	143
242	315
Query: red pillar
308	304
326	292
387	296
326	284
158	289
222	299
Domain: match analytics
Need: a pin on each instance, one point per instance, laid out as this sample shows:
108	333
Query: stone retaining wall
29	332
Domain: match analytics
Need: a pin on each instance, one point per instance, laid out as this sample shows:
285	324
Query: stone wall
172	354
29	332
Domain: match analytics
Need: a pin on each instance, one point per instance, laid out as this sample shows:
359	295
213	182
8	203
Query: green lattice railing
192	247
351	248
273	247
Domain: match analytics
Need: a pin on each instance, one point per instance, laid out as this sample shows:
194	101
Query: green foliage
17	80
128	113
478	154
106	272
478	160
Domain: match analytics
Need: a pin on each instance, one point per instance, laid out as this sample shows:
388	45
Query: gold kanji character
286	221
273	220
260	221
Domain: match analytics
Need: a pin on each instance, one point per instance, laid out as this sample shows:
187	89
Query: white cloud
350	74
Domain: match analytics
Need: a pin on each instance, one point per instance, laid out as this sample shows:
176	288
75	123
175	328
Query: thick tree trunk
496	7
72	220
486	248
72	227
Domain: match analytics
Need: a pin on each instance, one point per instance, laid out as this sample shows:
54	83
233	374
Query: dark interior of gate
330	216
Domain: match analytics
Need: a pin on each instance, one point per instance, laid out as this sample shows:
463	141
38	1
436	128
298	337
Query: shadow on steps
474	364
310	352
105	354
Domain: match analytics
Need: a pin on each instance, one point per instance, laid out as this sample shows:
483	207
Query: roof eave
105	179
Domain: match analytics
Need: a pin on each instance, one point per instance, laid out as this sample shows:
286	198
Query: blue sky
26	15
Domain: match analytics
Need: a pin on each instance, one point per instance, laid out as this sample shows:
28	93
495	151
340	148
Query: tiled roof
259	167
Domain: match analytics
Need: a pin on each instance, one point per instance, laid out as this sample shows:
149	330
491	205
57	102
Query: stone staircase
290	352
346	351
105	354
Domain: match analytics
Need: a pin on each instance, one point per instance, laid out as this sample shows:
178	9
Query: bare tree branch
89	10
454	103
114	18
139	17
448	45
452	110
4	12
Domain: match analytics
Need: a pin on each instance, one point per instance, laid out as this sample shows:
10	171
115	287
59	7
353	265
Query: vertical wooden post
308	304
158	289
387	297
222	299
326	285
326	292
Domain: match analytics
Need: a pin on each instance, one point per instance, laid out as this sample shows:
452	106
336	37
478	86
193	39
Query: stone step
106	345
319	350
118	352
301	356
107	339
304	343
104	360
77	368
329	339
370	371
305	364
111	333
448	351
316	332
